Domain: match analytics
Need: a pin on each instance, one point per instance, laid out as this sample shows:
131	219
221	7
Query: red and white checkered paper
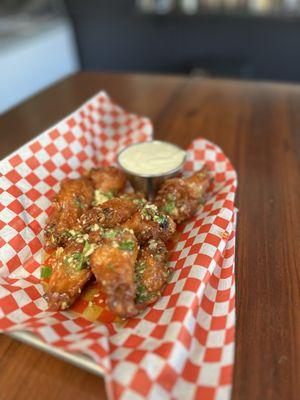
182	346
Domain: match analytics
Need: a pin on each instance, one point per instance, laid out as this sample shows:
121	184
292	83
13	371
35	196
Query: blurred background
42	41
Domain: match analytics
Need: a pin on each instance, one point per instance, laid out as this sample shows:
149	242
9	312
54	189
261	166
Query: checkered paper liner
183	345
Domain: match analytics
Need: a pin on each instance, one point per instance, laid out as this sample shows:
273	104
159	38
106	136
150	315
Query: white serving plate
77	359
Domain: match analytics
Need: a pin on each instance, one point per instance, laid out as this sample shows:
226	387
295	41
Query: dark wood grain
258	126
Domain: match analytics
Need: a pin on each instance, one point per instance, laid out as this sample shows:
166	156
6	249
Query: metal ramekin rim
177	169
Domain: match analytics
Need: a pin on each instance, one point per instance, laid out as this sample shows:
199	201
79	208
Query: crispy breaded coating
180	197
112	263
148	223
136	197
151	272
108	179
96	231
108	214
74	197
65	272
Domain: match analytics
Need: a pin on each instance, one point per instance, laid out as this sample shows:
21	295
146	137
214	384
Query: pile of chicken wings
97	231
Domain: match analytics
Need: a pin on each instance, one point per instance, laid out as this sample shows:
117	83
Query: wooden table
258	126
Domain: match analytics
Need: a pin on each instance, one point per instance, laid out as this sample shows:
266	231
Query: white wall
33	58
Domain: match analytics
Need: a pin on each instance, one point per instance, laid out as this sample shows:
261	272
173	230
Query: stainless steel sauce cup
149	183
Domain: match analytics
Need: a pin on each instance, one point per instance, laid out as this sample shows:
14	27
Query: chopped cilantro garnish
86	247
149	210
160	219
109	195
169	206
50	229
75	260
127	245
145	213
140	267
100	197
70	233
79	260
111	234
139	201
46	271
142	294
77	256
66	234
78	202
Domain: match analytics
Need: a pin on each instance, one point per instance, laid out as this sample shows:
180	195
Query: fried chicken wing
137	198
96	233
151	272
199	182
180	197
113	266
108	214
148	223
108	179
75	196
65	273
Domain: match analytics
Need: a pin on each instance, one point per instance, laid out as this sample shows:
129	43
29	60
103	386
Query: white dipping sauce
151	158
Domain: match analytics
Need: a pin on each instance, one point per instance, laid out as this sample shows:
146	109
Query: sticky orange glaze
91	304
